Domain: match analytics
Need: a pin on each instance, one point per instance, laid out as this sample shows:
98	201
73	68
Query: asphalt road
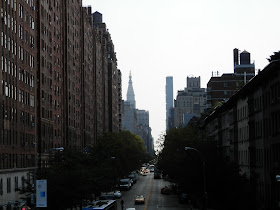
150	188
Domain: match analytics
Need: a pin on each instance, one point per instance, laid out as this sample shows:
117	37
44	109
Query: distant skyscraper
130	97
169	99
189	102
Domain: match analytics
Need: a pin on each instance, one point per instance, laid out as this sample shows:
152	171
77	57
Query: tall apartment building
18	115
88	79
54	92
101	74
120	99
72	75
113	90
221	88
49	74
191	101
169	101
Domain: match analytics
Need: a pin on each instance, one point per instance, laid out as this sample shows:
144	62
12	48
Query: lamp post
203	171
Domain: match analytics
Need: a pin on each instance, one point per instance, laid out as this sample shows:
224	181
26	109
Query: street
150	188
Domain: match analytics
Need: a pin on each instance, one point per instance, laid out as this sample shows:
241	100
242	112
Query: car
107	196
133	176
139	199
144	173
117	194
166	190
125	184
183	198
131	209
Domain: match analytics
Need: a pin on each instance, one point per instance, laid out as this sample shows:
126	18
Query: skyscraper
189	102
169	99
130	97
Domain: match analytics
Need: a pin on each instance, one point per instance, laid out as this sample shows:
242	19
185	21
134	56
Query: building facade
144	130
60	86
192	100
130	96
221	88
18	115
169	100
247	127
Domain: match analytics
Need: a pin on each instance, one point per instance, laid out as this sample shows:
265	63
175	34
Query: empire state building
130	97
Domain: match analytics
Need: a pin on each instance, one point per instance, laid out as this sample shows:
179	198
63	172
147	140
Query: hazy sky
158	38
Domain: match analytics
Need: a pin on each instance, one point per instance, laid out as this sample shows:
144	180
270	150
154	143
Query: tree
127	149
224	184
74	176
276	56
68	179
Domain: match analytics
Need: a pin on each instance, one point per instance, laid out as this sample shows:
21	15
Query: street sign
41	193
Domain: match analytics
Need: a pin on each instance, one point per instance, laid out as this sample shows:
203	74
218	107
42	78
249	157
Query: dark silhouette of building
169	100
221	88
246	128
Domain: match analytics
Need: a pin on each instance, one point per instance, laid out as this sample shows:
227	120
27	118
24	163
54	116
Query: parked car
183	198
133	176
166	190
139	199
117	194
107	196
125	184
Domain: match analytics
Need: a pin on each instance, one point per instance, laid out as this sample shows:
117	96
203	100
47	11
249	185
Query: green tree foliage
275	56
74	176
68	178
224	184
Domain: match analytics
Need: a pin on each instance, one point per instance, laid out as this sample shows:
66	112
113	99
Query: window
32	100
8	185
20	11
16	182
21	95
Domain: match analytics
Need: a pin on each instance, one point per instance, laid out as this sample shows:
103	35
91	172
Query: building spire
130	97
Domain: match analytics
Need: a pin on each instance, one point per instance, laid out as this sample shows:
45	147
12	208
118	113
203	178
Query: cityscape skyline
157	39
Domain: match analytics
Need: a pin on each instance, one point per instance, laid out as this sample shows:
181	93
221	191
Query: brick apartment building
246	127
60	85
49	77
221	88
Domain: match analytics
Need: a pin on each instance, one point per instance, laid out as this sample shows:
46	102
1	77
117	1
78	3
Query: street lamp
203	171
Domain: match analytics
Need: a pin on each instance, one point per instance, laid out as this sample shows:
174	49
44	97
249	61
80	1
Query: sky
154	39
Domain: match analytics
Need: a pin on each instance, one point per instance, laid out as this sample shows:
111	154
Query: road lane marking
150	191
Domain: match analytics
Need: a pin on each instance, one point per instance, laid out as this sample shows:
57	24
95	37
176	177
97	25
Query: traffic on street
150	189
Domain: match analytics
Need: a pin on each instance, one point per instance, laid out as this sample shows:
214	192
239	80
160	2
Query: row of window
242	112
9	160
